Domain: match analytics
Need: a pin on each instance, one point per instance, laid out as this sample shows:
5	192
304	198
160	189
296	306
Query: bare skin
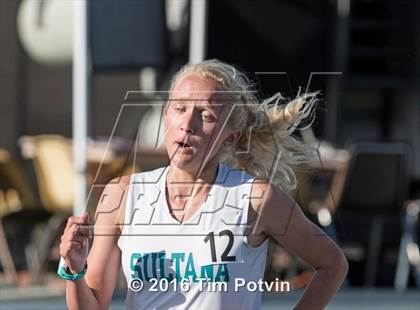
278	216
273	213
95	290
196	117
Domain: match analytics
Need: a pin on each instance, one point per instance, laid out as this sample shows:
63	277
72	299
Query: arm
335	191
95	290
281	218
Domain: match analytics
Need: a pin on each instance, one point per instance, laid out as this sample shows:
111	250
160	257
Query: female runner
194	235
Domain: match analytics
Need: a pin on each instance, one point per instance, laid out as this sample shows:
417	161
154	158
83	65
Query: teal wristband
62	272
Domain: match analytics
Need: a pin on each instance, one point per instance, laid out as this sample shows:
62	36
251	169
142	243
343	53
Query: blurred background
82	84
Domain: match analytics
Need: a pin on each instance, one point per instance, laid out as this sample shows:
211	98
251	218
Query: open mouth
183	145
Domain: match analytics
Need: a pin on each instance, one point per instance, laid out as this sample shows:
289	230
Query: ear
232	138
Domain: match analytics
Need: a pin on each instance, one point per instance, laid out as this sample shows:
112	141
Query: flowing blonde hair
266	149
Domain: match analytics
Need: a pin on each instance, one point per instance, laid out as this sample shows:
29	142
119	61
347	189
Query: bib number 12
225	257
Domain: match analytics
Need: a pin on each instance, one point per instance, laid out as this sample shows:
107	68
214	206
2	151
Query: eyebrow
206	103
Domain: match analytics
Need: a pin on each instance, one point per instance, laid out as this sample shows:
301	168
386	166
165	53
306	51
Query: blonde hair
266	149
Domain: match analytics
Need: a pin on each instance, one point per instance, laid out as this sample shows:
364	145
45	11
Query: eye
208	117
179	108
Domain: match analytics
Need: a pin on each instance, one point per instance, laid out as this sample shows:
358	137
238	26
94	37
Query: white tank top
184	265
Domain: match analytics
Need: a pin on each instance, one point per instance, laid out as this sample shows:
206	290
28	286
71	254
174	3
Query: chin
187	164
183	162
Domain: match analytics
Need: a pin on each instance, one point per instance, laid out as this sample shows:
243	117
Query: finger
72	234
82	231
86	227
84	218
75	245
68	233
73	221
80	239
78	229
70	221
69	246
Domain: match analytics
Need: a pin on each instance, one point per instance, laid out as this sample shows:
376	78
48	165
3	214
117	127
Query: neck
185	183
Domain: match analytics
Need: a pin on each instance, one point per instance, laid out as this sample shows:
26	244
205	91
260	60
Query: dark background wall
8	73
36	98
292	36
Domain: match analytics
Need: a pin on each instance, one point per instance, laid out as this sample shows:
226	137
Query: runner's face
194	121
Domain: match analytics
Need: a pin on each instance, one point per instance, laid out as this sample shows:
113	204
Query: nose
187	123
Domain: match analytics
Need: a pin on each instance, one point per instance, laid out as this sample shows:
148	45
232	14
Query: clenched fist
74	246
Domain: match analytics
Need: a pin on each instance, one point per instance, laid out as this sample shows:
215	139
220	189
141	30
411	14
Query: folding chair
409	254
17	204
52	160
374	189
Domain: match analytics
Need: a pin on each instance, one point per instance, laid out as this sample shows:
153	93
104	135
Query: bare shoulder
266	196
111	206
281	218
271	205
